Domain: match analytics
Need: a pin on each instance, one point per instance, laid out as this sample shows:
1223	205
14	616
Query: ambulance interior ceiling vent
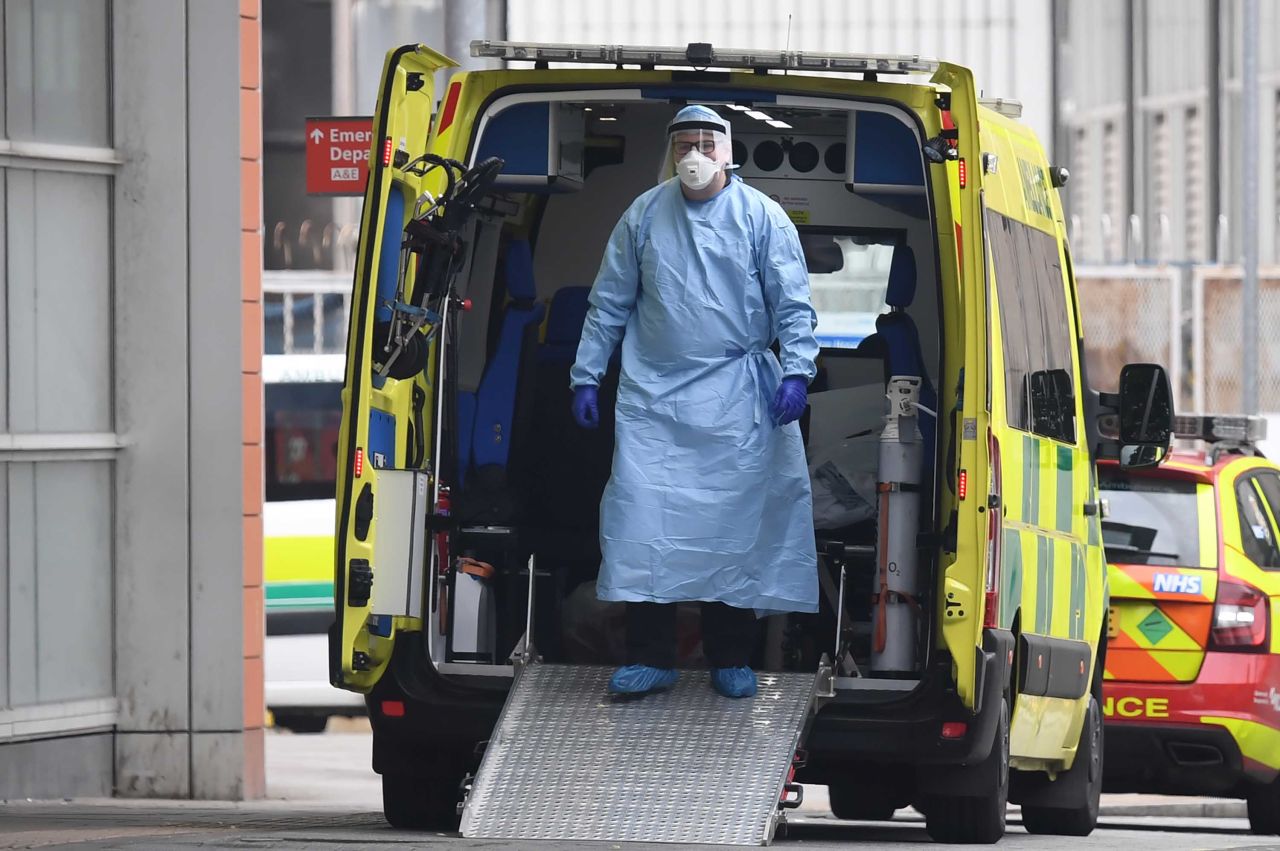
702	56
1218	428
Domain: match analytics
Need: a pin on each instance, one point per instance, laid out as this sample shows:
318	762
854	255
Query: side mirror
1146	404
1143	414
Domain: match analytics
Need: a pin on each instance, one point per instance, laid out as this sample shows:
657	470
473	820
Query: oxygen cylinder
896	610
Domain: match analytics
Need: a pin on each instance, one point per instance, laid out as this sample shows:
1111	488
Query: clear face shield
699	146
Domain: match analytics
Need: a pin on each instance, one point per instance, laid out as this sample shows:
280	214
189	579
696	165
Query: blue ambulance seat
569	469
897	338
487	419
565	318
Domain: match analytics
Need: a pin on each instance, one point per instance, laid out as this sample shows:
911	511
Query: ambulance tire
423	801
975	819
1264	809
1085	774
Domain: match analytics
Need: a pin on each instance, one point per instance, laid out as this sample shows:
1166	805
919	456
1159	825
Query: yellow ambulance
467	524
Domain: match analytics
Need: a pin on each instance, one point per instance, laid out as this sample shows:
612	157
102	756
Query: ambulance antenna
786	71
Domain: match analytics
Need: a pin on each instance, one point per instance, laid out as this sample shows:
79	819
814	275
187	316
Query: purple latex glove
790	400
586	406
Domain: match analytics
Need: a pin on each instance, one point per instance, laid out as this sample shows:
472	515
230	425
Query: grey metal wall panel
4	100
18	71
152	482
213	144
217	766
1177	50
4	273
75	766
73	580
58	287
22	585
72	98
4	584
153	765
70	363
20	295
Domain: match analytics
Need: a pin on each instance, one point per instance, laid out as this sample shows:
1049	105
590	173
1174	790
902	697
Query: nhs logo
1176	583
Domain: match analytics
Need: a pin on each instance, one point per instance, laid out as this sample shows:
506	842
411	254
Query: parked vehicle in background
1192	677
302	410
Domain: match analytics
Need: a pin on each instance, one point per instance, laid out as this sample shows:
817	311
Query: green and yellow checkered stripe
1044	555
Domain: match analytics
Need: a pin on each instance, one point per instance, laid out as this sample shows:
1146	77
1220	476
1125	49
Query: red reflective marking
393	708
954	729
450	106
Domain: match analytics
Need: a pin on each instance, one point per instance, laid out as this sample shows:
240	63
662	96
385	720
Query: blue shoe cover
640	679
734	682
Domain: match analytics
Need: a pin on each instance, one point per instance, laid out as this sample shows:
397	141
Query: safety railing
305	312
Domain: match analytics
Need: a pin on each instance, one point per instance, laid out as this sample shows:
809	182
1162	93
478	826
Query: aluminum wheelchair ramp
568	761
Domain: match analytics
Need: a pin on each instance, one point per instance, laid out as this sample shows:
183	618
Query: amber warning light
338	150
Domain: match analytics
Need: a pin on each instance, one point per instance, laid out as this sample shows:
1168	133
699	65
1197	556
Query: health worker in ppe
709	499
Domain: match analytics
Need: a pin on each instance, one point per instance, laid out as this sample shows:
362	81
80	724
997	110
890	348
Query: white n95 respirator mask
697	170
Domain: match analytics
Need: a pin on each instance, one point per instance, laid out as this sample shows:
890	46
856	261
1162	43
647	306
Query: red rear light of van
995	531
1239	618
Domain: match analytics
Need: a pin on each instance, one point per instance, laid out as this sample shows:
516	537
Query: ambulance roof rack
1223	432
702	56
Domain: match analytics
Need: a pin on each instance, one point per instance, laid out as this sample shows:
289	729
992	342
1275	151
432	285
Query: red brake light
1239	618
357	467
962	487
995	531
386	151
964	174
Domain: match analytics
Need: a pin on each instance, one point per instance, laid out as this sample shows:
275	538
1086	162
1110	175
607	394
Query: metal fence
1133	314
1216	338
305	312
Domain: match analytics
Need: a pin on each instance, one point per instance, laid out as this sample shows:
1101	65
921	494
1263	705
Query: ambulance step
568	762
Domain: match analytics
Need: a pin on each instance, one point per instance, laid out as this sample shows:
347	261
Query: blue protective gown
708	500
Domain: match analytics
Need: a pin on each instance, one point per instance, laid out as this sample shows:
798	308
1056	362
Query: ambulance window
848	278
1257	520
302	421
1150	520
1035	325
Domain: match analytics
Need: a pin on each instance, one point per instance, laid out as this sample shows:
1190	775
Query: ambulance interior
852	176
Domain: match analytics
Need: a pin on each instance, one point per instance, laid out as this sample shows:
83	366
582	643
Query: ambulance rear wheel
1264	809
975	819
421	801
1084	776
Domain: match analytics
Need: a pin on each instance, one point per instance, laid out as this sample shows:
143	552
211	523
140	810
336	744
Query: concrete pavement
322	791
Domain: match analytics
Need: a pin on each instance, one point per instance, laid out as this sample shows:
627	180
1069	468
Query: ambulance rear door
385	429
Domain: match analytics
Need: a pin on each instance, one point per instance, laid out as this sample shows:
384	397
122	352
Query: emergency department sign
338	154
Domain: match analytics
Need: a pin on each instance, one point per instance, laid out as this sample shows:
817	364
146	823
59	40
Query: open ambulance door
964	581
385	437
